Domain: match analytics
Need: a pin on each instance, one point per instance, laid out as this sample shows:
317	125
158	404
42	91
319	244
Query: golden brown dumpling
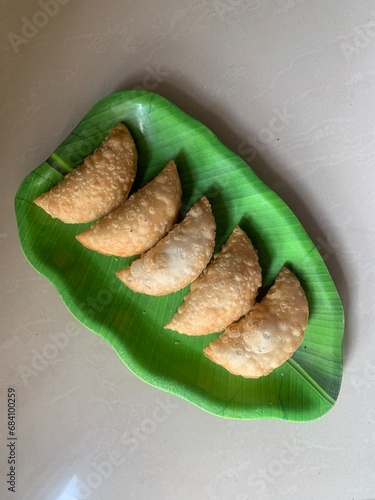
178	258
141	221
268	335
224	292
98	185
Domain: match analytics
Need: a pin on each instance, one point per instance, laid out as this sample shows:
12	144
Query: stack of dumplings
258	336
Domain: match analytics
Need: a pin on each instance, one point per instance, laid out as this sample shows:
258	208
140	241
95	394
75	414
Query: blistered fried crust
98	185
224	292
268	335
141	221
178	258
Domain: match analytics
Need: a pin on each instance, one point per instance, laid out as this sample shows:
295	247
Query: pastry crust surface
178	258
224	292
98	185
141	221
268	335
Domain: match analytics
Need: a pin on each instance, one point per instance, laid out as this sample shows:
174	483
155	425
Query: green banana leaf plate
302	389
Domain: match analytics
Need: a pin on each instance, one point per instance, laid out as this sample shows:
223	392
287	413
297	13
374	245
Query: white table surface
236	65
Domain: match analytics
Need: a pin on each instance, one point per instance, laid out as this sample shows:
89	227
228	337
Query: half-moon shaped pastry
141	221
178	258
98	185
224	292
268	335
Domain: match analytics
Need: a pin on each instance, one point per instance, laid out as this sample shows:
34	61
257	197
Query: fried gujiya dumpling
224	292
141	221
178	258
98	185
268	335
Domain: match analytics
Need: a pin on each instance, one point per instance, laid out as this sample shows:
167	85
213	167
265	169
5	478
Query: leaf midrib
311	381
